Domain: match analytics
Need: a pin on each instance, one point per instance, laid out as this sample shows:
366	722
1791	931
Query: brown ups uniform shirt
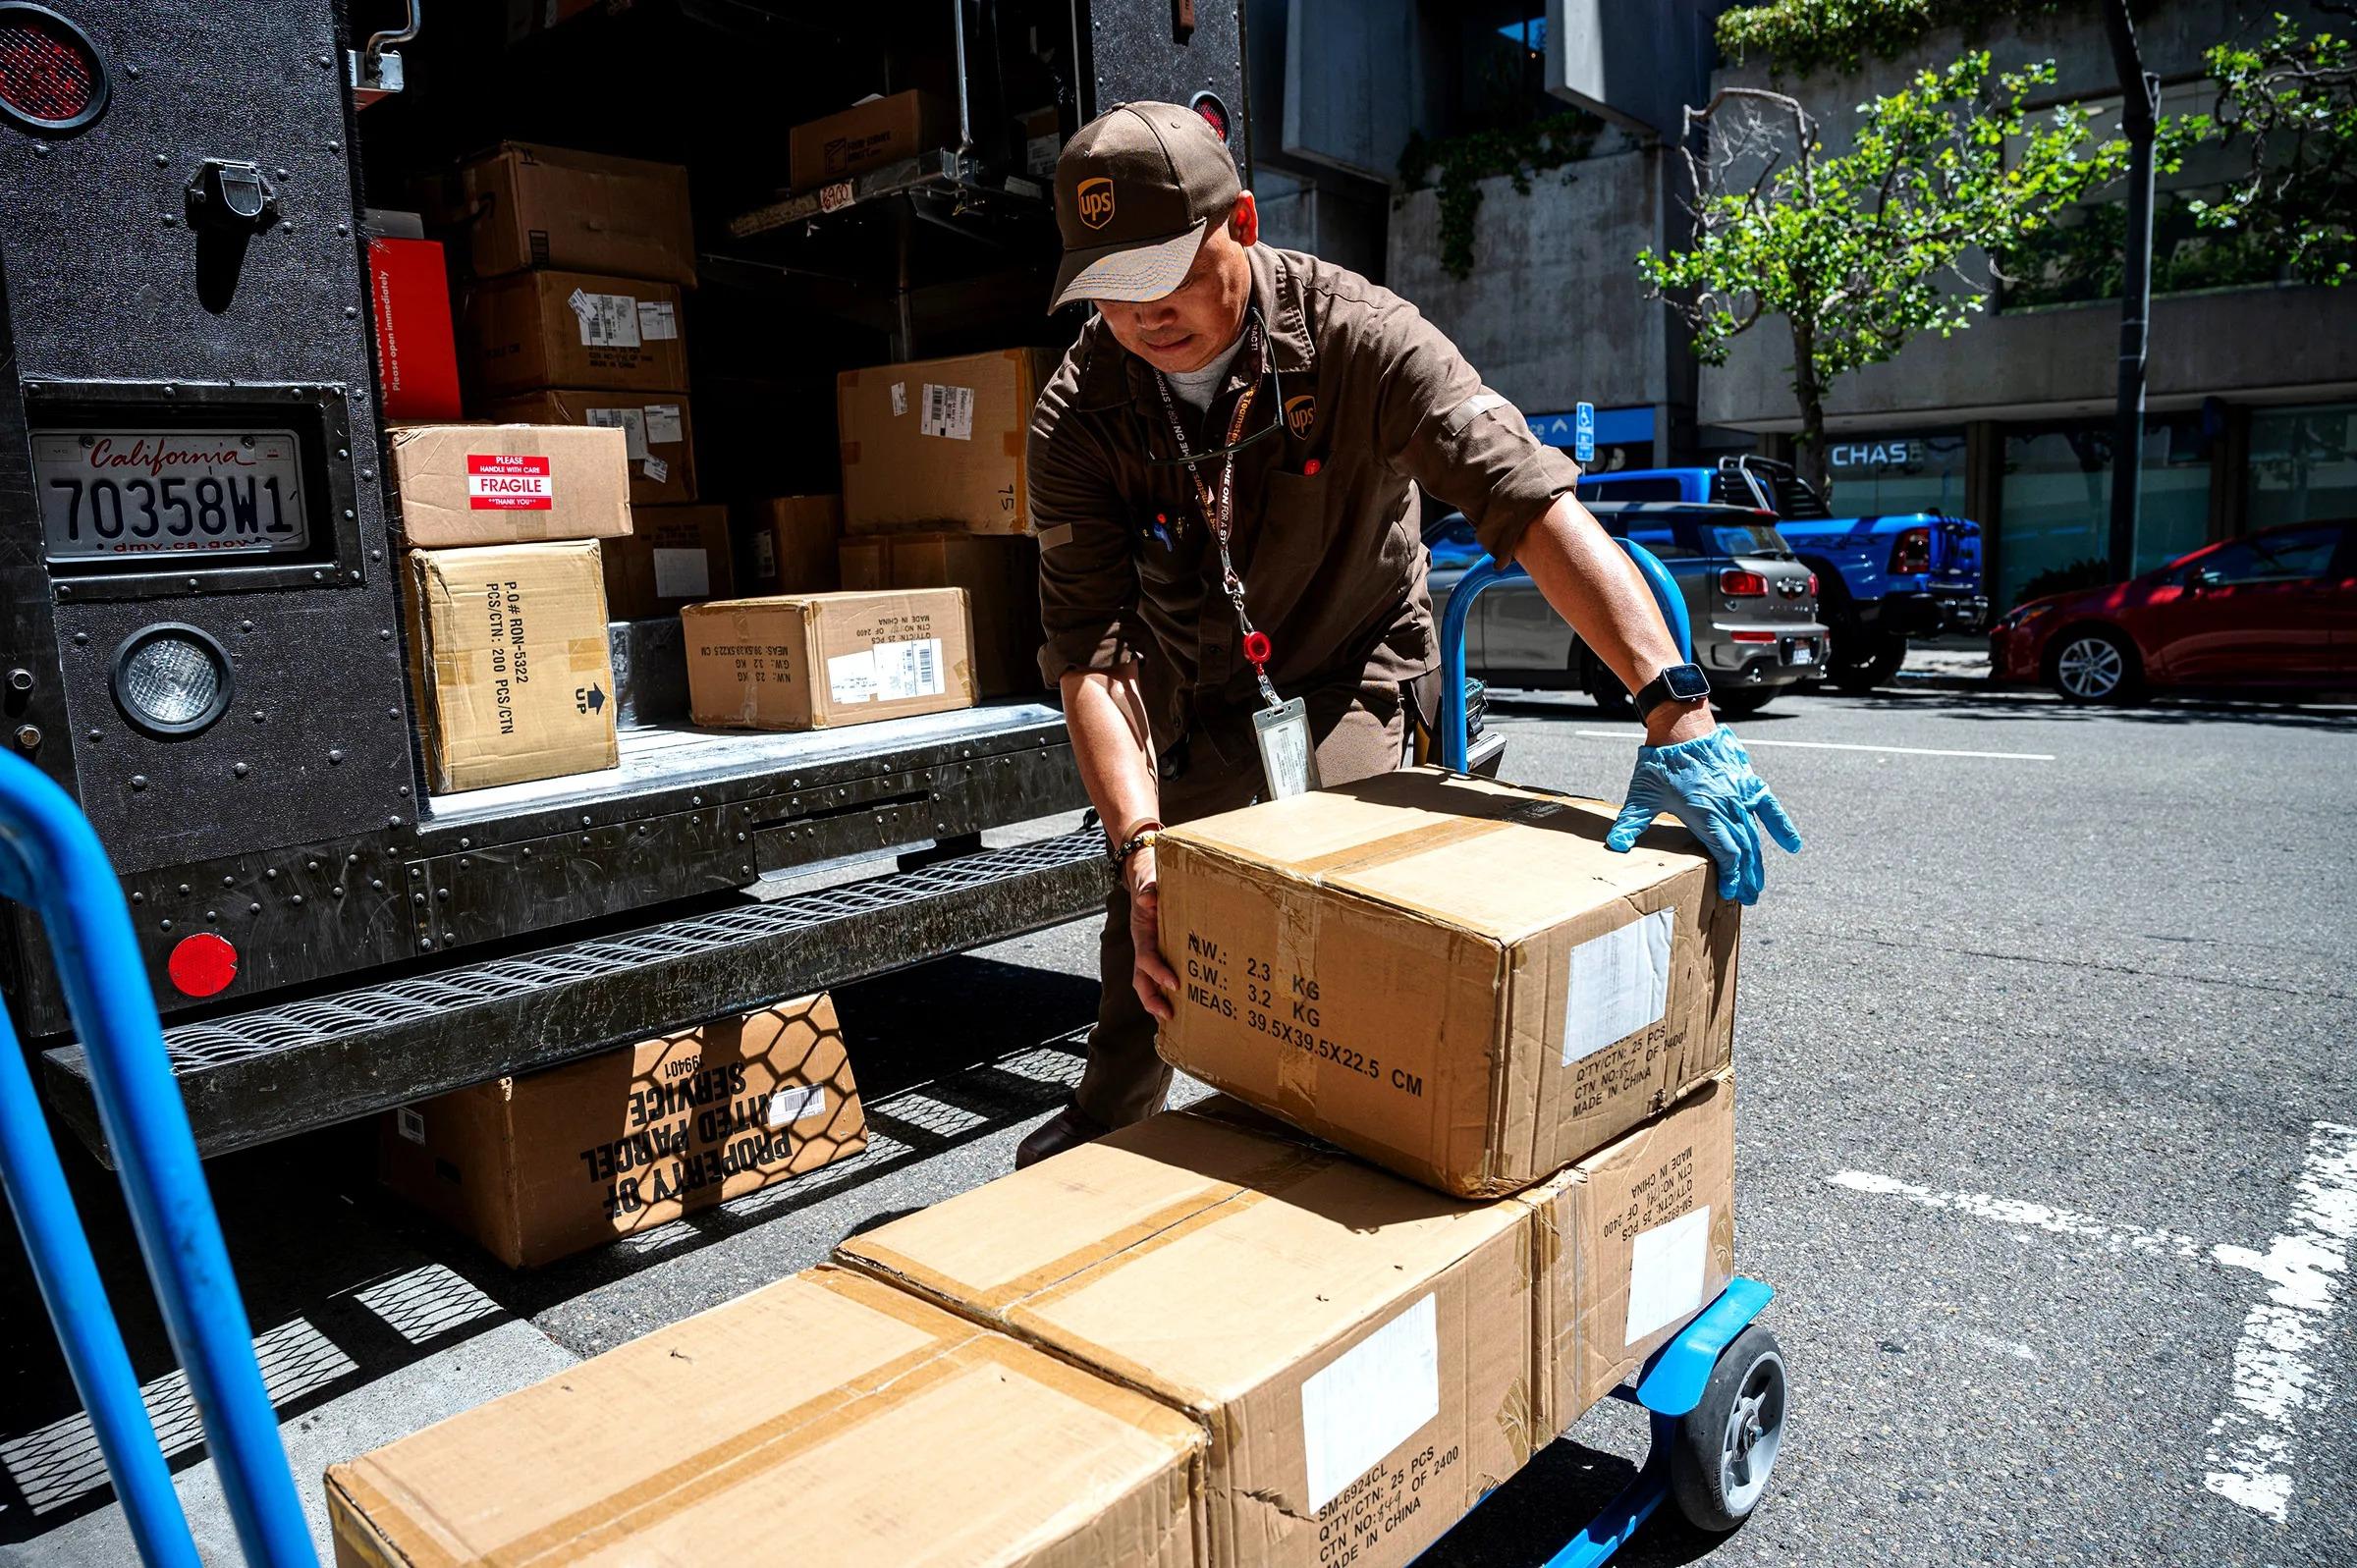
1376	400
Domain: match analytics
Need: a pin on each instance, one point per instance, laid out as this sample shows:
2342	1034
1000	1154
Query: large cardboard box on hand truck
1358	1349
1448	976
823	1419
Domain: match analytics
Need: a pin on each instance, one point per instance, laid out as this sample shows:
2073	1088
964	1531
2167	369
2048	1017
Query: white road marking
2250	1454
1839	745
2109	1236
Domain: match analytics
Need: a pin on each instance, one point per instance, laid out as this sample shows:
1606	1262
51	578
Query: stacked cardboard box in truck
534	331
940	441
658	432
675	557
524	205
823	659
794	541
1001	579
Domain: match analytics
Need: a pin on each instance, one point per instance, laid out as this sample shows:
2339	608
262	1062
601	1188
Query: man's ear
1244	222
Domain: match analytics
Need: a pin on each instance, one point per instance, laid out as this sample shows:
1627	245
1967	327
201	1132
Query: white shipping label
409	1121
1374	1397
946	411
1040	154
790	1105
851	676
1666	1270
658	319
899	398
682	575
631	422
664	427
910	669
657	470
608	320
1619	984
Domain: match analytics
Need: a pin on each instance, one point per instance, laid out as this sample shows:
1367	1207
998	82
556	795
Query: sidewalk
1946	663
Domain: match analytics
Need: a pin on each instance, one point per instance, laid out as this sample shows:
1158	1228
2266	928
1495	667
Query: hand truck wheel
1727	1445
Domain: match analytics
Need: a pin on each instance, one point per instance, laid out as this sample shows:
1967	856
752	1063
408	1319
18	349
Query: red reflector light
50	77
1812	585
202	965
1743	585
1751	636
1213	110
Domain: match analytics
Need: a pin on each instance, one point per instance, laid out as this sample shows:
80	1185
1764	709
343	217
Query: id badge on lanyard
1289	763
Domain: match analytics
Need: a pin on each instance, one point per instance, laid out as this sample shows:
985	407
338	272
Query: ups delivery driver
1223	479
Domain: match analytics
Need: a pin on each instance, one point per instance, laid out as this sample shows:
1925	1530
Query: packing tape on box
1400	846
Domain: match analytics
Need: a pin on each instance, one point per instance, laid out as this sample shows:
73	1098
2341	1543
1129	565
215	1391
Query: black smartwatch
1677	684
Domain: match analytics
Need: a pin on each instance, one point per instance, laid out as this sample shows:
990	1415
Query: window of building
2303	464
2055	522
1915	470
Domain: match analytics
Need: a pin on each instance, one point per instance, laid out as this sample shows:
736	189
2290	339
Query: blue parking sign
1583	433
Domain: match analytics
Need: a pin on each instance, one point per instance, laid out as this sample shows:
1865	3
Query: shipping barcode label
631	422
497	482
664	426
946	411
1373	1397
899	398
1619	984
1040	154
608	320
790	1105
657	470
1666	1266
682	575
658	319
889	672
410	1122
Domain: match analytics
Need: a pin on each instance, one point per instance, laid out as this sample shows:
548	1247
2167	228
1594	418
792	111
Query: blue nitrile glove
1708	785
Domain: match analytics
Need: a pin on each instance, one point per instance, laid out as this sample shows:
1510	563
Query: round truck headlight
171	679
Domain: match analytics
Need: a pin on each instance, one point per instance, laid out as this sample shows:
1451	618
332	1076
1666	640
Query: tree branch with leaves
2292	101
1861	251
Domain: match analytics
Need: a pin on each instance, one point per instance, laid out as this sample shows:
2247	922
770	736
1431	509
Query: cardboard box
794	540
825	1418
508	661
675	557
822	660
1358	1348
658	434
536	330
1634	1240
1043	142
1448	976
867	136
544	1165
650	670
484	484
940	441
416	351
1001	579
525	206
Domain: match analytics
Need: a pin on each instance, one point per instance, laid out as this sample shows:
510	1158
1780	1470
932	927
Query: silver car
1752	605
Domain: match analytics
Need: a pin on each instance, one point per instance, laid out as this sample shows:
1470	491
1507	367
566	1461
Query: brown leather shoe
1068	1128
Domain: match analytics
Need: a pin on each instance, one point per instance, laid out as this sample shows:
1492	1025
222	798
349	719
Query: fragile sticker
664	426
1374	1397
1619	984
681	573
1666	1266
658	319
946	411
502	483
631	422
790	1105
607	320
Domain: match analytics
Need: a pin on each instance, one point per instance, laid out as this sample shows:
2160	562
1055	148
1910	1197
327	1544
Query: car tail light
1751	636
1743	585
51	79
1812	585
1912	552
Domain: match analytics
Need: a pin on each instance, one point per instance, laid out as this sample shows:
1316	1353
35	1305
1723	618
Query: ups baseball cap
1134	193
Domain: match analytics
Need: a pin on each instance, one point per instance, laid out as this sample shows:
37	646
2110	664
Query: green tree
2292	101
1861	251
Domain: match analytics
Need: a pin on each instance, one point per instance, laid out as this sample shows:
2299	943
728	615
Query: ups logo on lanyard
1302	415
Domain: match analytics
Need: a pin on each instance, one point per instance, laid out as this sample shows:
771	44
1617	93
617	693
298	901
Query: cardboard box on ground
508	663
1450	977
818	661
543	1165
867	136
940	441
485	484
827	1419
658	434
674	557
526	205
534	330
1001	579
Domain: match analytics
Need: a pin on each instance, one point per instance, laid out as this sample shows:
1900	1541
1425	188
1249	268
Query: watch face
1686	682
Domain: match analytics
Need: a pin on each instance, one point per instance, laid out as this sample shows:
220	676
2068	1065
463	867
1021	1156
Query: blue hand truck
1716	1393
52	861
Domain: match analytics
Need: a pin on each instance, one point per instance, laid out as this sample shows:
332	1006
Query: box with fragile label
820	660
1001	579
508	661
675	557
1634	1240
485	484
870	133
658	434
536	330
826	1418
1448	976
526	205
543	1165
1358	1348
940	441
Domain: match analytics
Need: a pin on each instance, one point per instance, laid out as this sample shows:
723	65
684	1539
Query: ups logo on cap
1095	198
1300	414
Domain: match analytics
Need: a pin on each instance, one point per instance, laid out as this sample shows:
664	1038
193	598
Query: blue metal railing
51	861
1484	573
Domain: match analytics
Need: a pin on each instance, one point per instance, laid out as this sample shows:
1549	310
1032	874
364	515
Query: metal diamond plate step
253	1076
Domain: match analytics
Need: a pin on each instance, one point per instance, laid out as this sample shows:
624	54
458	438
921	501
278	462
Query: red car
2275	610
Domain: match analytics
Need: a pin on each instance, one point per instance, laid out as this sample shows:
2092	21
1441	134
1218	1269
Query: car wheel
2093	665
1738	704
1865	661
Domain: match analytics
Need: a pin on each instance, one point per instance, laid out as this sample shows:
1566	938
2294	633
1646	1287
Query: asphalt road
2048	1141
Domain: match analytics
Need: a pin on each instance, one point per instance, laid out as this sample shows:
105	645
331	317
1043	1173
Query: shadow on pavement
1548	1503
2009	704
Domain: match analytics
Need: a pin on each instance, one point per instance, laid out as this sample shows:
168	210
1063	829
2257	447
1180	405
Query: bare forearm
1106	714
1591	583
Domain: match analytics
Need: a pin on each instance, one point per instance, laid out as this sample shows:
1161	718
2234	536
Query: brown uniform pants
1360	731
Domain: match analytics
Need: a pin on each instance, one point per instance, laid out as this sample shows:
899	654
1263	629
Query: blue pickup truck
1883	578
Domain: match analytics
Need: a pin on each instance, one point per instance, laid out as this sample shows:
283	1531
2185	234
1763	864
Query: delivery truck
201	557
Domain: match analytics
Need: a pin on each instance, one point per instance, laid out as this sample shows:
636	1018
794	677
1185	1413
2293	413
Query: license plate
1804	653
114	493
